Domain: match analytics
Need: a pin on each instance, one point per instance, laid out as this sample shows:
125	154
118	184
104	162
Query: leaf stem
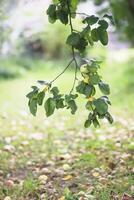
62	71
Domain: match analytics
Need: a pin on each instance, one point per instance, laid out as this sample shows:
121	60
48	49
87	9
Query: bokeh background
31	49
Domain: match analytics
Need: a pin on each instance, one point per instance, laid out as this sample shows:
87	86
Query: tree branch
62	72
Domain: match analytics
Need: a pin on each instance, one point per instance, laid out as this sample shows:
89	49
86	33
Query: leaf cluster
59	10
54	101
97	107
94	30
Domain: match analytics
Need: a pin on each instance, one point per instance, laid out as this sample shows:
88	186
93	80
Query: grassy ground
56	158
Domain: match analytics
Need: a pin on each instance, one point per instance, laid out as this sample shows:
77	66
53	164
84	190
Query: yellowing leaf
68	177
43	179
86	80
46	89
7	198
96	174
90	98
66	167
62	198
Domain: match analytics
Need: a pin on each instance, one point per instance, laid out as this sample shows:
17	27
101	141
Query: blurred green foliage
48	43
13	67
9	69
53	39
123	12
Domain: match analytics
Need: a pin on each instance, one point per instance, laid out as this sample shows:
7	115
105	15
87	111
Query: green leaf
81	87
60	103
110	17
32	96
109	117
42	82
93	68
105	89
73	96
94	79
74	4
87	123
101	106
51	12
35	88
55	91
72	105
70	97
40	97
103	36
50	106
90	116
62	15
86	89
73	39
33	106
106	99
94	35
91	20
89	105
103	23
90	40
96	123
33	93
56	1
86	31
81	46
89	90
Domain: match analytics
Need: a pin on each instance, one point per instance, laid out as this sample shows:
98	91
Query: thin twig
62	71
75	78
73	52
79	13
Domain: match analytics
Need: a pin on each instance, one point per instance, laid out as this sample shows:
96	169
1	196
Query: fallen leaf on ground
111	165
9	148
1	173
68	177
96	174
127	197
43	196
132	188
45	170
8	140
62	198
25	143
9	183
43	179
7	198
66	167
103	180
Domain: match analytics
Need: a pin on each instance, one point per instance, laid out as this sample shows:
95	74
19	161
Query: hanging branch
65	11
